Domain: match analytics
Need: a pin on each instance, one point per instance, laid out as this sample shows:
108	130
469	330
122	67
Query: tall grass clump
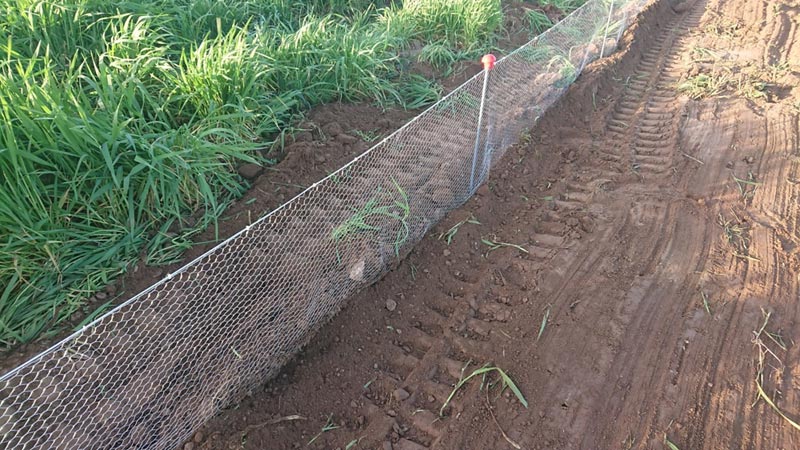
460	24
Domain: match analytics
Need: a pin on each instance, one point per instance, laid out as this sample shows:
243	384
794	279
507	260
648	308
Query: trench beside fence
154	369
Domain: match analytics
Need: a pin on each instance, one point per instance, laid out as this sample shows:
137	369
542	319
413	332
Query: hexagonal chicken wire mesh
151	371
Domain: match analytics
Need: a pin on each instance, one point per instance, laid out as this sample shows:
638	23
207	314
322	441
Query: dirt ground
653	295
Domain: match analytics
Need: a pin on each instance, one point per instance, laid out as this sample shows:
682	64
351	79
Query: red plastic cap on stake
488	61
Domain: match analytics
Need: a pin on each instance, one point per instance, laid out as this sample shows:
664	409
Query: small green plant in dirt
329	426
566	70
670	445
341	176
747	186
451	233
724	27
543	325
380	209
705	85
538	22
484	372
495	245
735	233
704	298
703	54
764	352
368	135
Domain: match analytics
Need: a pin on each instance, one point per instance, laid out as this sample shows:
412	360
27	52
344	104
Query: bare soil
656	236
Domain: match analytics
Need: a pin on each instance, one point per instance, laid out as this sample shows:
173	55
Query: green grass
484	372
538	22
119	120
459	23
384	207
704	85
451	233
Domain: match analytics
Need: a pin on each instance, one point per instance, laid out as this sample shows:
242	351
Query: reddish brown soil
627	204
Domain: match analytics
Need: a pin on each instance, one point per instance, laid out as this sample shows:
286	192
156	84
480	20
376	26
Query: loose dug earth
653	294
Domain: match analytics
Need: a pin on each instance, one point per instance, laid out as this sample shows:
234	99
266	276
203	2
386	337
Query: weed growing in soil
702	54
704	85
484	371
329	426
368	136
704	297
451	233
377	210
670	445
763	352
724	27
538	22
494	245
747	187
566	70
545	319
736	236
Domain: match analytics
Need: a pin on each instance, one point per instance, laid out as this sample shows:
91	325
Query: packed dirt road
650	299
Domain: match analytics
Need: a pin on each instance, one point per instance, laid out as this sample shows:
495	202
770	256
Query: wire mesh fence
151	371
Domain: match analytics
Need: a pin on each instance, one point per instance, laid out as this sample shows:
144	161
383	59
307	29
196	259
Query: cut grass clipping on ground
451	233
484	371
763	352
122	123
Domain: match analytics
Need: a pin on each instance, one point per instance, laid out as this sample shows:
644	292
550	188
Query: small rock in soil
391	413
391	305
101	296
346	139
249	171
446	252
401	394
587	224
405	444
387	446
188	446
332	129
303	136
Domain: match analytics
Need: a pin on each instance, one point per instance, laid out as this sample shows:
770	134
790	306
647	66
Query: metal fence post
488	63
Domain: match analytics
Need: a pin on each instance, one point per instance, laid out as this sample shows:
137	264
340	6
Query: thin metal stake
488	63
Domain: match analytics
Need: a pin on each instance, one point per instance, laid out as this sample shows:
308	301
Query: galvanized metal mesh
151	371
